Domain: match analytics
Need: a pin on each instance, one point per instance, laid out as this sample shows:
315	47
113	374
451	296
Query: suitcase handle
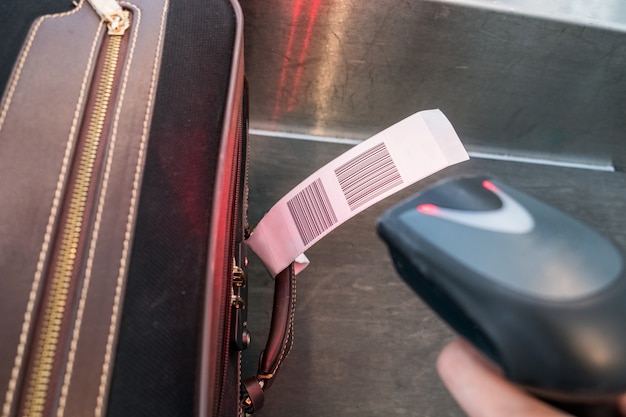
279	341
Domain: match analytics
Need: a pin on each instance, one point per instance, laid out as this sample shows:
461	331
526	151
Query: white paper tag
395	158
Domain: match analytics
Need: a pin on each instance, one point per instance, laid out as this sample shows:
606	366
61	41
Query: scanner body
538	292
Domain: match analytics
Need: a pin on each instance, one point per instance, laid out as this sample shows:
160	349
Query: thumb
480	389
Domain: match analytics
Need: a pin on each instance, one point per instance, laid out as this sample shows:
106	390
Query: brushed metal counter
517	78
534	78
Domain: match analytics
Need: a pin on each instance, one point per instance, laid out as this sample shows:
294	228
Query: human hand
481	390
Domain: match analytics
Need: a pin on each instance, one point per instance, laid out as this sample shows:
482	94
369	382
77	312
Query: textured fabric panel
157	356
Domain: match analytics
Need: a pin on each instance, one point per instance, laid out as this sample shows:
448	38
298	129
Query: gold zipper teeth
55	310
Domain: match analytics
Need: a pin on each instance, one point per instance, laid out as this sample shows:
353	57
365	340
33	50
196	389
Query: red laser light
429	209
490	186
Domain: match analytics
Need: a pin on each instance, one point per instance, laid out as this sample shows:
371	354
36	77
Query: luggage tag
389	161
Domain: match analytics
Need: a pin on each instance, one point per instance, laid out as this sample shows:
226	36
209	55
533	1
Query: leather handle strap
279	341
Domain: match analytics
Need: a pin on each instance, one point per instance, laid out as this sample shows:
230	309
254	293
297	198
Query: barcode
311	211
367	176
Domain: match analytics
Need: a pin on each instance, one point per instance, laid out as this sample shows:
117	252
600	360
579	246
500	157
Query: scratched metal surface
364	344
523	77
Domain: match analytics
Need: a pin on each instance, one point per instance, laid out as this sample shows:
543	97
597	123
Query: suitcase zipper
235	334
63	274
112	13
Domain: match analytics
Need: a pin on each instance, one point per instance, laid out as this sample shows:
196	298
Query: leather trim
35	148
256	396
39	119
214	336
280	340
93	345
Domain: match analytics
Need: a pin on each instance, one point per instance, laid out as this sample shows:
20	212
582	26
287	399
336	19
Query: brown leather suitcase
122	216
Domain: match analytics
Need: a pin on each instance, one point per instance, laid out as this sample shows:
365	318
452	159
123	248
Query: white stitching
19	357
20	66
96	230
106	366
292	314
289	337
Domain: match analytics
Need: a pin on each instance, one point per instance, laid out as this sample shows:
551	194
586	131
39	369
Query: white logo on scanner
510	218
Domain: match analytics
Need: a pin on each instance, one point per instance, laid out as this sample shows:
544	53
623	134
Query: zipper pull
111	12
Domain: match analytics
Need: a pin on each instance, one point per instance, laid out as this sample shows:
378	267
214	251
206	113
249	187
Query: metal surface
364	344
531	78
519	79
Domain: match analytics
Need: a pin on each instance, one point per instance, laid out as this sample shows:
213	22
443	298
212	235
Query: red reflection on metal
429	209
292	46
303	54
287	58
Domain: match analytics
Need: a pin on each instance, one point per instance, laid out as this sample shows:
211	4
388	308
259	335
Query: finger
480	390
622	404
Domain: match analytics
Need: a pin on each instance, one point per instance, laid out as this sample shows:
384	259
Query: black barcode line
384	170
353	168
368	188
367	176
373	192
311	211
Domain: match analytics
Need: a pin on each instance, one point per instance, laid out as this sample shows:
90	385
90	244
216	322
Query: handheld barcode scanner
538	292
